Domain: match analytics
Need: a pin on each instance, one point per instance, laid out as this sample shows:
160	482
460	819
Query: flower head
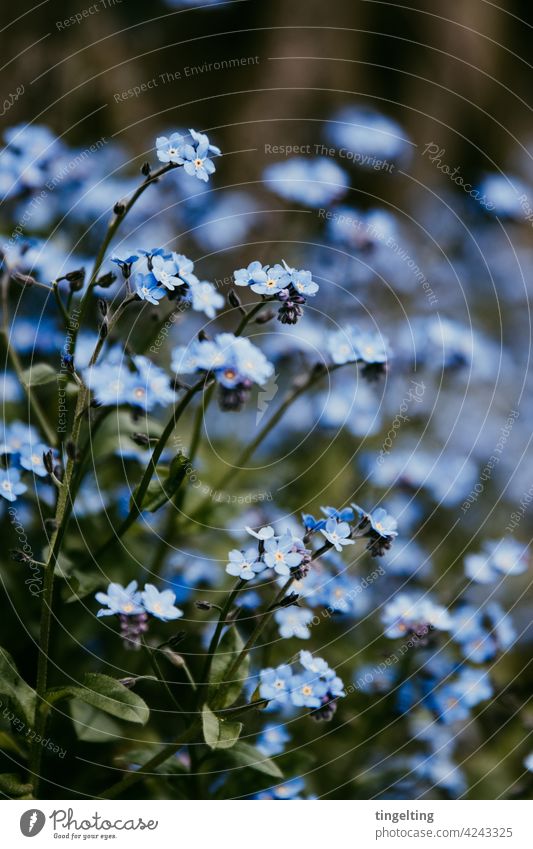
280	555
160	603
243	565
11	484
337	533
275	684
125	601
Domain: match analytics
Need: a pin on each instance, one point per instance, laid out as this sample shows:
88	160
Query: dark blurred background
457	72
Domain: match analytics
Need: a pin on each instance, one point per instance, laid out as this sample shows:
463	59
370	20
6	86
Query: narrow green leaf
219	733
20	694
243	754
39	374
107	694
229	648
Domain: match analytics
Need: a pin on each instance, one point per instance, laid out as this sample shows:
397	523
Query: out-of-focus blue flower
234	360
205	297
10	388
408	613
351	345
273	739
365	135
289	789
160	603
311	182
275	684
293	622
262	534
17	436
124	601
503	195
374	679
499	557
31	458
114	383
528	762
11	484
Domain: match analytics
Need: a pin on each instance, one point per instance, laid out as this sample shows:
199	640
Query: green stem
263	619
133	778
140	492
50	435
213	645
60	304
248	316
114	224
161	678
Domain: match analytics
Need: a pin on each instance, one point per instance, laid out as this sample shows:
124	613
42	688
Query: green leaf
219	733
39	374
9	744
107	694
243	754
91	725
160	490
20	694
140	757
229	648
81	583
12	786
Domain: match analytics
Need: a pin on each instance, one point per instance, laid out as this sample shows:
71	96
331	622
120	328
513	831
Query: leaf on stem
38	375
229	649
219	733
107	694
245	755
20	695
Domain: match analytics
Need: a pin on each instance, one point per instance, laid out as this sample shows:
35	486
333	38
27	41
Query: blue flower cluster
192	152
134	607
497	559
136	382
353	346
25	450
235	362
157	274
290	286
317	687
311	182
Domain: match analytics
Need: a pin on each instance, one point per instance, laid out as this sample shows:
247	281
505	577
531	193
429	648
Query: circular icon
32	822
